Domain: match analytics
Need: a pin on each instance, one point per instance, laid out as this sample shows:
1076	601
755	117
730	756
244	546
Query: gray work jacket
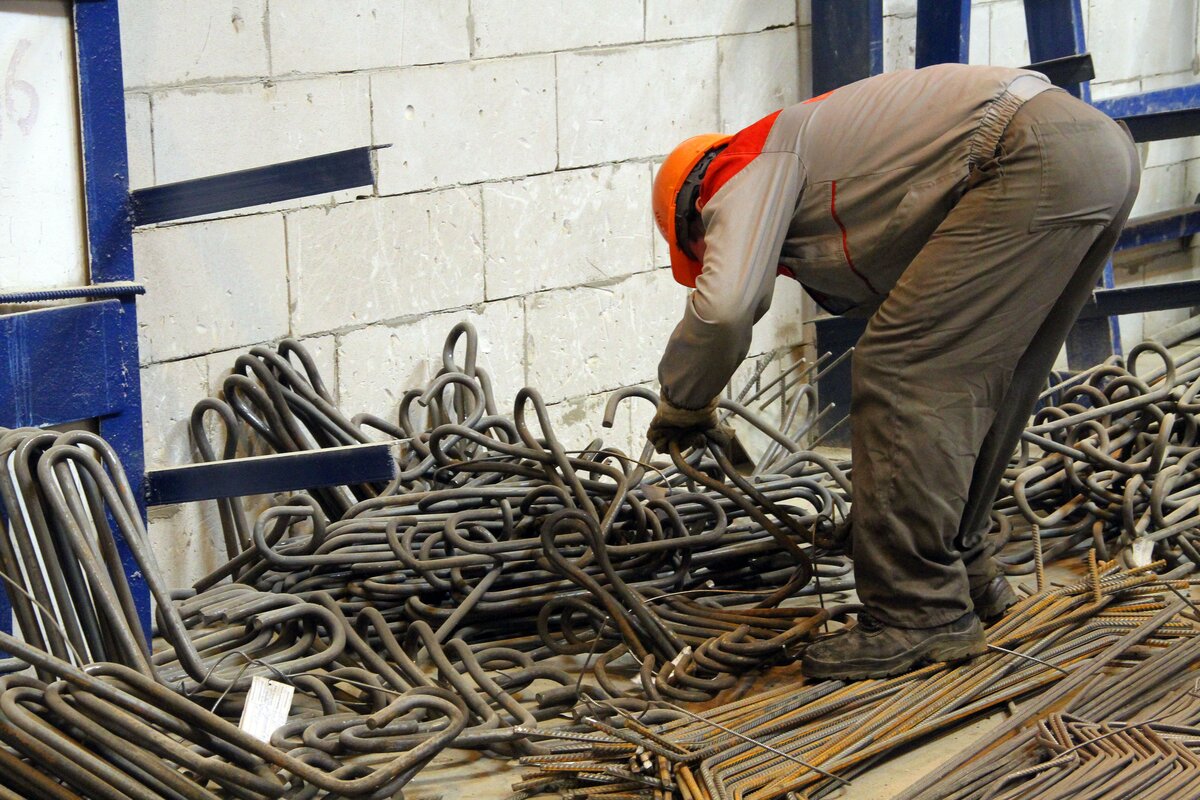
839	192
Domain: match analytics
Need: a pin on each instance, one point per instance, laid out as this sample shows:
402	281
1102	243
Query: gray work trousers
950	366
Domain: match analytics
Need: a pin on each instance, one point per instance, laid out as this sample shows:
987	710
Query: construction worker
967	211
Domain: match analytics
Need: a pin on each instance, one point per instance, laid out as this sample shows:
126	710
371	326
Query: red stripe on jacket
845	236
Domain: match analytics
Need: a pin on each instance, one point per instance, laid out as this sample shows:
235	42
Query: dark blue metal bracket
331	172
847	42
61	363
1055	30
1163	114
943	32
284	472
110	240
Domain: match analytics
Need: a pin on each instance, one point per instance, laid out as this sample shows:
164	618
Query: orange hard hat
670	217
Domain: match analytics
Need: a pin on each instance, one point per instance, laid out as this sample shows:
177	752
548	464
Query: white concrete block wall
524	138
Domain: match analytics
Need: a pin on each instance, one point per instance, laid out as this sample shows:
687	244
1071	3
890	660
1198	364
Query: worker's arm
745	222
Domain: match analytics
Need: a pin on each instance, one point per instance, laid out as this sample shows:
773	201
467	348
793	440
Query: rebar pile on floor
1110	461
808	739
501	590
1135	733
495	535
408	617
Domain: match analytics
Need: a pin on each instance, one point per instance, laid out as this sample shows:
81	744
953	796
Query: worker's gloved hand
685	426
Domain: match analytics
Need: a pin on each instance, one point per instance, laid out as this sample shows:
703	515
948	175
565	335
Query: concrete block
759	74
1171	151
503	28
899	8
1103	90
436	32
378	364
137	140
1009	41
310	36
682	19
384	258
588	340
634	102
662	255
577	421
462	123
200	132
783	324
1129	40
566	228
192	41
899	43
169	391
211	286
1163	188
981	35
187	541
314	36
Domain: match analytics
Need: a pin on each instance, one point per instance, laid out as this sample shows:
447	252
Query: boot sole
944	647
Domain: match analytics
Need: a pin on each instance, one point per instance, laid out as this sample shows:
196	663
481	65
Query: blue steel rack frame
1055	30
80	362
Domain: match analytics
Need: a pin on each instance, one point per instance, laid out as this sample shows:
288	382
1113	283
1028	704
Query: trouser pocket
1086	172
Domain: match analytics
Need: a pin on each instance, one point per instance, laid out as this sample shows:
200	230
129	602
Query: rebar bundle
806	739
505	590
442	609
1110	461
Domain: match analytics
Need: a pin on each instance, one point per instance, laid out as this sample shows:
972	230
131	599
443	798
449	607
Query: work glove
685	426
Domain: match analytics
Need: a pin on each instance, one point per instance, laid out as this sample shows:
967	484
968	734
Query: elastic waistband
1000	113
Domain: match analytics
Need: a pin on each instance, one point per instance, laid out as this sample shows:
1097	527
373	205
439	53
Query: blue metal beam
110	236
1055	29
847	42
1066	72
1156	228
1140	299
62	365
284	472
1163	114
302	177
943	32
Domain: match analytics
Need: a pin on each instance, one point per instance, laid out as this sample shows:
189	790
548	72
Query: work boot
993	599
873	650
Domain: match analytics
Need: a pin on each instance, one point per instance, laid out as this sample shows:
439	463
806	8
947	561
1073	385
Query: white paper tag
267	707
684	653
1142	552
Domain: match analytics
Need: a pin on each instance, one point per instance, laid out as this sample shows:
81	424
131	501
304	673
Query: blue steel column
847	42
1055	29
110	240
943	32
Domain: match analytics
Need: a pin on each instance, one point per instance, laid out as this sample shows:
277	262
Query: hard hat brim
684	270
